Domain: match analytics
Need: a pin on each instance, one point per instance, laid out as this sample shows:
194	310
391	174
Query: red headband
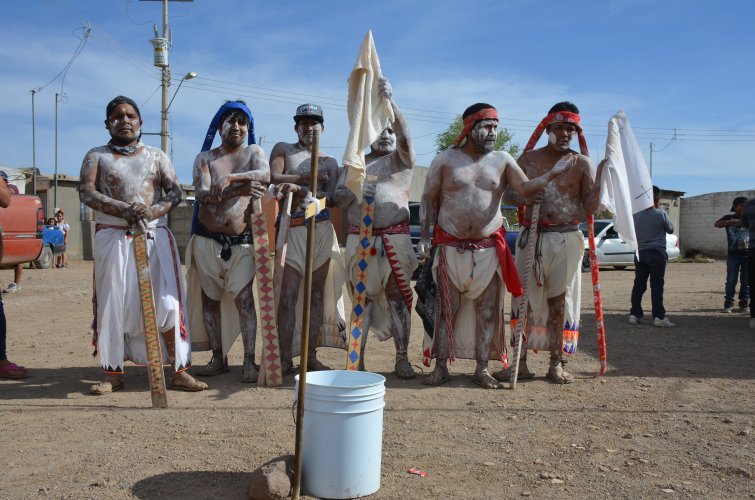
469	122
558	117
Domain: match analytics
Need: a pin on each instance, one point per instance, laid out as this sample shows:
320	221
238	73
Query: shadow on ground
194	484
702	345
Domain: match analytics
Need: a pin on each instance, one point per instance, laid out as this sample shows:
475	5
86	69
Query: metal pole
55	193
33	145
305	315
166	88
651	161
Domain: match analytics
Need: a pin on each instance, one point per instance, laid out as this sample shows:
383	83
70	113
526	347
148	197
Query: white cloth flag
368	113
626	187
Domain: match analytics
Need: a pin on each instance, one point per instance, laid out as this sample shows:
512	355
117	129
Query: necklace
125	150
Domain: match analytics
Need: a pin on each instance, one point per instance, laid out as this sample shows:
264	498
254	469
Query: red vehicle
21	233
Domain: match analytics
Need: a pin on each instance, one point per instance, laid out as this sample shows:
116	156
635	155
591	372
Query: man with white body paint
128	183
389	294
220	254
290	167
554	287
464	187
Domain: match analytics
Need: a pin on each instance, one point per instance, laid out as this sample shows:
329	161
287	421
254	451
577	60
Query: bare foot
558	375
216	366
483	378
182	381
504	375
111	384
249	372
287	368
438	376
315	365
404	370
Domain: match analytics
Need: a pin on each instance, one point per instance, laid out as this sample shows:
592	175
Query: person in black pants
748	221
651	226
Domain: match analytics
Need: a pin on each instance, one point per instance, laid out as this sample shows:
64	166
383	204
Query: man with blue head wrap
220	254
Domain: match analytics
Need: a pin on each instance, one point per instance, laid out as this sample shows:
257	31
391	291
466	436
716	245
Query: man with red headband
554	295
463	188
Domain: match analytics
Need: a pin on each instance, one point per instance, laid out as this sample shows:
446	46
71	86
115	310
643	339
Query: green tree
446	139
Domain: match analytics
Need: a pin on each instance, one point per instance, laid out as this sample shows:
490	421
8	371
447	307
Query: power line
87	33
511	124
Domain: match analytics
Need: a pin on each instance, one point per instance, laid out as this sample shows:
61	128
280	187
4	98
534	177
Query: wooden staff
304	349
531	245
359	307
597	296
151	333
281	244
270	358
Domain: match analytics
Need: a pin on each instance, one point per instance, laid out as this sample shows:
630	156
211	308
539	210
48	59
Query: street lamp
187	76
164	121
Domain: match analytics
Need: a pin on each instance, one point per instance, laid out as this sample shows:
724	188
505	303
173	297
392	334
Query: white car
613	251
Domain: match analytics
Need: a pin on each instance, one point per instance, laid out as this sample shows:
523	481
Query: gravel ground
673	417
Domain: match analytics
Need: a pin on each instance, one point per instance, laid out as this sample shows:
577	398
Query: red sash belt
497	239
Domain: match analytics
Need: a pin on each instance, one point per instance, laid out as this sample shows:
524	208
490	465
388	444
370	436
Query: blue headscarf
215	123
210	136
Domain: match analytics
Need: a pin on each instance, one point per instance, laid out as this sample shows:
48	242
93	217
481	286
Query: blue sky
683	66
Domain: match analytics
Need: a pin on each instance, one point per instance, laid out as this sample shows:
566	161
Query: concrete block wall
697	216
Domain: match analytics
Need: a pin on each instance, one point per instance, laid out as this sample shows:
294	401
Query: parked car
414	227
615	252
24	236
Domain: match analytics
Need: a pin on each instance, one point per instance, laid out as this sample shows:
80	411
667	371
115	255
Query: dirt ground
673	417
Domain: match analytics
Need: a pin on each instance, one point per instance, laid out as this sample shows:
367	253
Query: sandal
13	371
107	386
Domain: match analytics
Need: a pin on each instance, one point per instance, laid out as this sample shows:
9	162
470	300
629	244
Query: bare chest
130	175
476	176
230	164
298	162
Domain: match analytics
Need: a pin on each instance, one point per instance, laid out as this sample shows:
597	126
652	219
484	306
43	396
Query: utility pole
33	143
161	45
55	193
166	85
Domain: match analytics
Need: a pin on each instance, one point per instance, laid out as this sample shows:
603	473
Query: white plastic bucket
342	434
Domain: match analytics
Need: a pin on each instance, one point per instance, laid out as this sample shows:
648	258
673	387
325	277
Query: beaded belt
395	229
558	228
297	218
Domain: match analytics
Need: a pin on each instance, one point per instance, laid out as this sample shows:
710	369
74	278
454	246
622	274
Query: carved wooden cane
151	332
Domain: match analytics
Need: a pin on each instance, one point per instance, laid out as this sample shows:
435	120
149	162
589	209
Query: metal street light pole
33	143
55	193
187	76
